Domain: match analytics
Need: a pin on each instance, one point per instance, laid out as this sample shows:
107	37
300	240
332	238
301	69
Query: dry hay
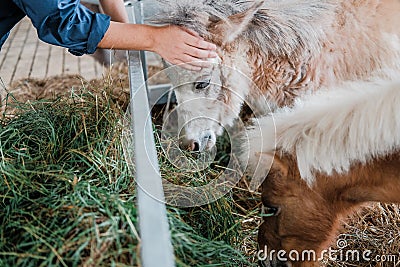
115	82
35	89
375	228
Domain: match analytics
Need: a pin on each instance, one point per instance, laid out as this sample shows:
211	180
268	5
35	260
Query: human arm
70	24
174	44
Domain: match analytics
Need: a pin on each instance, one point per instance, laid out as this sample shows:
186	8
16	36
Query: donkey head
297	219
210	99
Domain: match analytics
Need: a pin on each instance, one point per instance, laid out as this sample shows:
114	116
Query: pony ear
280	166
228	30
268	162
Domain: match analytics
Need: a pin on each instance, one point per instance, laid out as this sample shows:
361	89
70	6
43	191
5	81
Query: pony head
262	50
297	219
209	100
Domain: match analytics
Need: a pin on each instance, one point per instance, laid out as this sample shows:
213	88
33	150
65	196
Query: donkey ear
228	30
269	162
280	166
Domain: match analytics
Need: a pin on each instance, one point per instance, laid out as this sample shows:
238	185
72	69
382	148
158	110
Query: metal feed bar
156	247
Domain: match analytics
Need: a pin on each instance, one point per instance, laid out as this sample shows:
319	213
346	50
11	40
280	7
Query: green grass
67	197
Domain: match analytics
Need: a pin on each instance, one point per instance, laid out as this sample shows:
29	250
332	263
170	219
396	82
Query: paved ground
25	56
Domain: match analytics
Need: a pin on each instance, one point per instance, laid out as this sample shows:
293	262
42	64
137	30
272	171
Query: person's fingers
187	66
193	61
196	61
180	45
199	43
200	53
194	33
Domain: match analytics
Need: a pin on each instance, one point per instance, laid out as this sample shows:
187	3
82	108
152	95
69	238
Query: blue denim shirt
65	23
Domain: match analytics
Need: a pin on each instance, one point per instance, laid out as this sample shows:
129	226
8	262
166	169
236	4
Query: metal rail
156	246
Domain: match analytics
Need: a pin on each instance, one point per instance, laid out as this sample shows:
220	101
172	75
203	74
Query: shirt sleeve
66	23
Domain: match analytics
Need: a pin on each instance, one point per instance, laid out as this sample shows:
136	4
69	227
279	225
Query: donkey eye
268	211
202	85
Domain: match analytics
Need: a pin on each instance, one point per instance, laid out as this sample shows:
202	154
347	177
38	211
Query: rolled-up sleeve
66	23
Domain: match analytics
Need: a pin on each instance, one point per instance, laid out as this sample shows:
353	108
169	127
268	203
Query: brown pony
304	220
333	152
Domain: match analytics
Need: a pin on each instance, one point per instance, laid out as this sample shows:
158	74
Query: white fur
286	47
333	129
207	110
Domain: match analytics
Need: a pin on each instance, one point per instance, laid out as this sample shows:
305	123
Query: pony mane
286	27
331	130
194	15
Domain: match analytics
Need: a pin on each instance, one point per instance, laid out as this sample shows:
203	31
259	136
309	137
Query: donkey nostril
195	146
190	145
208	137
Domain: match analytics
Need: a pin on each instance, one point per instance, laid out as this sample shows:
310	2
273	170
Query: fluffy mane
278	27
331	130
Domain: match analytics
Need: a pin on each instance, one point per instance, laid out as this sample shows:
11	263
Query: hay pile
374	228
115	84
68	198
67	195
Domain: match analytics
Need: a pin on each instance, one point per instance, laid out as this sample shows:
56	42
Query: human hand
179	45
